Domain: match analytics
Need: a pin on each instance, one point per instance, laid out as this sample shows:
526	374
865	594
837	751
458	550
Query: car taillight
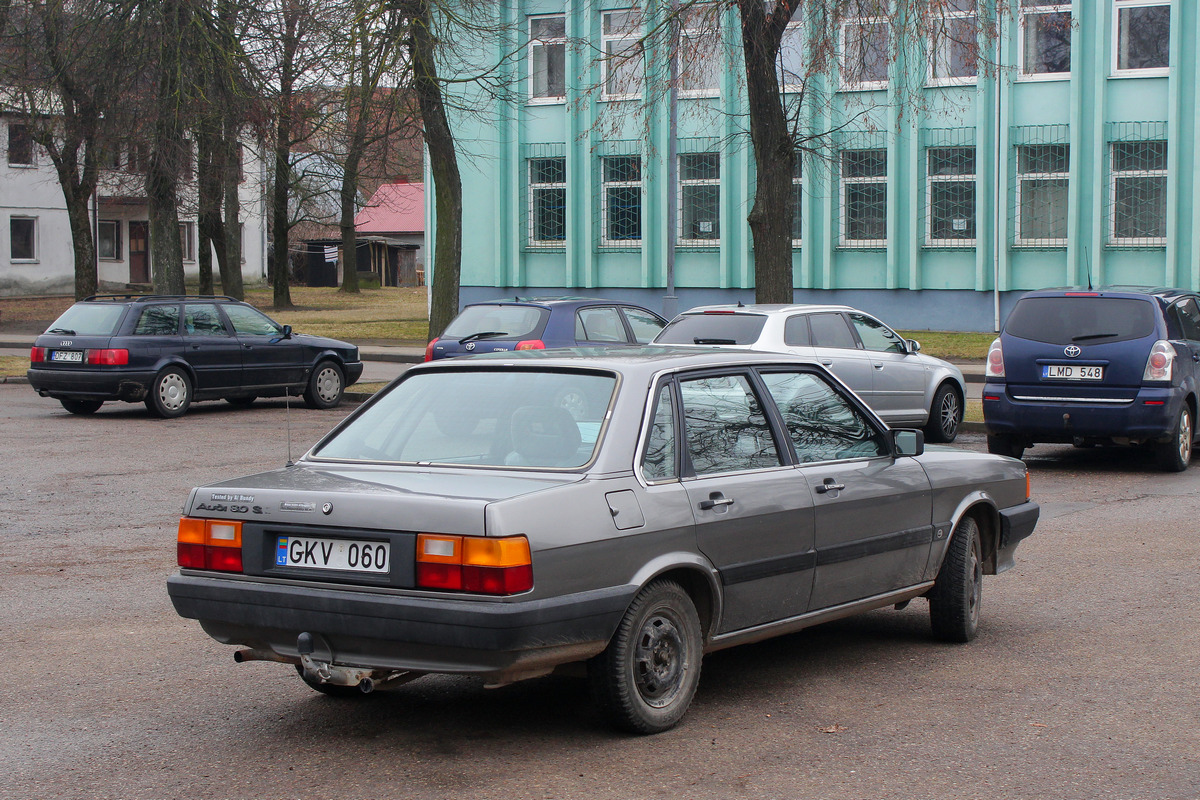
1160	363
210	544
429	349
106	357
995	361
37	355
531	344
474	564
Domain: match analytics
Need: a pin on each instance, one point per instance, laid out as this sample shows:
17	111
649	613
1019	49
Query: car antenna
287	405
1087	260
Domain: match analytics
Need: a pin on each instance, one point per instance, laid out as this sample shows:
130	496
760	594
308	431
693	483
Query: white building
35	235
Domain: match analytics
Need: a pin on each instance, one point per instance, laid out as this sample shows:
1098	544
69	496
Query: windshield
88	319
516	322
712	328
496	417
1081	320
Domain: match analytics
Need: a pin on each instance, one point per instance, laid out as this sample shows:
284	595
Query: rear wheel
170	394
956	594
1175	454
325	386
945	415
82	407
1005	446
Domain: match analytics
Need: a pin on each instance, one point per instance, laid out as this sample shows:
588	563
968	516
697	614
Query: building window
1045	37
139	159
547	201
621	32
187	167
548	58
1139	194
110	155
187	242
865	42
699	198
109	243
864	198
954	44
22	238
1143	33
797	199
700	50
1042	183
20	145
622	199
950	174
792	67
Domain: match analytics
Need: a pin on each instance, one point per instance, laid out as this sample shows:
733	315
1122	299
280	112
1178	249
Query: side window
725	426
795	331
249	322
1189	319
877	336
830	330
158	321
658	461
203	319
822	425
645	326
601	324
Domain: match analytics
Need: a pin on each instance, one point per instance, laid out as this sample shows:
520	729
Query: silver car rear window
541	419
713	328
1082	319
88	319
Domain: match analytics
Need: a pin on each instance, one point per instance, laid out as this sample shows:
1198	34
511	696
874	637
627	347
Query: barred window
1143	35
547	201
622	199
1045	37
865	44
621	33
950	186
864	198
700	49
548	57
1042	184
954	43
797	199
108	244
1138	215
699	198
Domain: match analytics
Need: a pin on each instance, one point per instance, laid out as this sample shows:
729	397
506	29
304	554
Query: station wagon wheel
325	386
82	407
1175	454
646	678
170	393
945	415
956	594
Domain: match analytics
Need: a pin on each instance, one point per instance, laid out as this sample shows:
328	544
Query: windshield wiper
482	335
1093	336
699	340
65	331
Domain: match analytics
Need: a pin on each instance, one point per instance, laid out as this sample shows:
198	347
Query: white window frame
860	24
534	188
1033	11
1113	177
534	43
33	159
187	241
695	40
1149	72
605	185
1035	176
845	183
691	182
36	245
965	177
793	37
948	16
798	191
619	46
119	253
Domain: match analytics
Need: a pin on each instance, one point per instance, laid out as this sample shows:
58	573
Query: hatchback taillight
37	355
108	357
995	361
531	344
429	349
1160	363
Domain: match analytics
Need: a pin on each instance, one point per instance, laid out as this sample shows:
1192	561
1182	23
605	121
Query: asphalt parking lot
1082	683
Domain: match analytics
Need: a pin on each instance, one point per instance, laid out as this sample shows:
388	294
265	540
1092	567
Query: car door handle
715	499
878	365
830	486
247	346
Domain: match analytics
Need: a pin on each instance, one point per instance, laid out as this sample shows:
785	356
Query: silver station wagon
633	509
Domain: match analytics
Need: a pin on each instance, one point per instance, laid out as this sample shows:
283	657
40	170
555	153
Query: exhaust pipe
251	654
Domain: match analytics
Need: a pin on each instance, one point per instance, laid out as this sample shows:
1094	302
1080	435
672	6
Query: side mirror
907	442
287	331
914	346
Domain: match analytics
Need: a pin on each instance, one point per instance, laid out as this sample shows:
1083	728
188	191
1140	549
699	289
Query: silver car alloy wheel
1185	437
172	391
328	384
948	415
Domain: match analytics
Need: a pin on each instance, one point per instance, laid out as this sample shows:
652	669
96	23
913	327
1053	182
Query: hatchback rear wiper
1093	336
482	335
65	331
699	340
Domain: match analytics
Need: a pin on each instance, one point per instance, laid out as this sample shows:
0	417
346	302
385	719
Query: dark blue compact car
544	322
1114	365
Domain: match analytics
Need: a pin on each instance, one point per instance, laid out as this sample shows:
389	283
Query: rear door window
725	426
713	328
203	319
830	330
599	324
1081	320
1187	317
158	321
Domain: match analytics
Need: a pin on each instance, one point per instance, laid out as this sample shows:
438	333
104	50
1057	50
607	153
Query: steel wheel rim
949	414
328	384
172	391
660	659
1185	437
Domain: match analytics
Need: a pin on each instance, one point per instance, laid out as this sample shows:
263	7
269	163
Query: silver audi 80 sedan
630	509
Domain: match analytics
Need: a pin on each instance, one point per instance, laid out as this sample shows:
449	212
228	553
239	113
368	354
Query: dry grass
952	346
392	314
13	366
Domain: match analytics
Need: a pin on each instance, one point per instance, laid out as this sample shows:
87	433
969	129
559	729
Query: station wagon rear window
713	328
1081	320
522	418
88	319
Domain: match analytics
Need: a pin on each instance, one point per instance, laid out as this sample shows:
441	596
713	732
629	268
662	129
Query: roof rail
144	297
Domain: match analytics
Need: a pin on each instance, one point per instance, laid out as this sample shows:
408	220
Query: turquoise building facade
939	189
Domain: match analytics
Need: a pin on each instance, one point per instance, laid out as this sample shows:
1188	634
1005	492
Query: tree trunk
231	272
346	222
209	169
280	222
162	176
77	188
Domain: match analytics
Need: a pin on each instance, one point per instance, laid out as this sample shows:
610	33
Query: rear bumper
1149	415
401	632
90	384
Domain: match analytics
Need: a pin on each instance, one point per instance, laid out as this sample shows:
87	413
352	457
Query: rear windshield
88	319
495	418
1081	320
496	322
712	329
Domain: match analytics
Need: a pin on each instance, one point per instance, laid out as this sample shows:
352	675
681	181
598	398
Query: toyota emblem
327	509
1072	351
469	346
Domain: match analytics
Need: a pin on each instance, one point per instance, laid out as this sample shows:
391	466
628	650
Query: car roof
1165	293
550	302
769	308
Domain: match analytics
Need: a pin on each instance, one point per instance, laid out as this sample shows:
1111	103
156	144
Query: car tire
646	678
330	689
81	407
955	597
170	393
945	415
242	402
1175	454
325	386
1005	446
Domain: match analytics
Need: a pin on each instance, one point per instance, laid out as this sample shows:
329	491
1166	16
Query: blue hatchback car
1114	365
543	322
